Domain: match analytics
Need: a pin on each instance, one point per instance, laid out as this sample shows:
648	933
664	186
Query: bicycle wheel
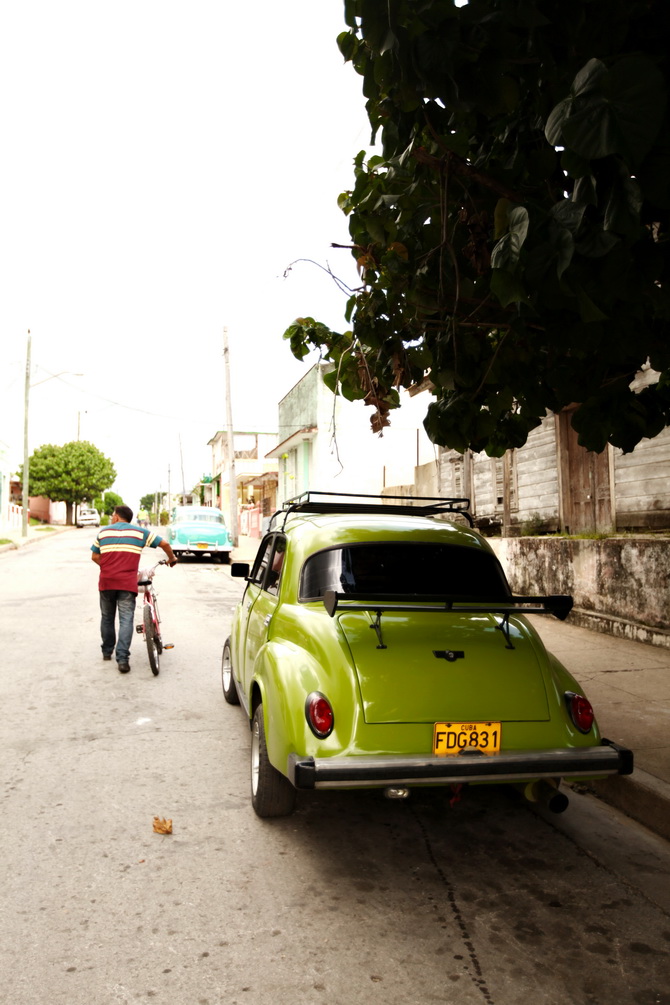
150	639
157	628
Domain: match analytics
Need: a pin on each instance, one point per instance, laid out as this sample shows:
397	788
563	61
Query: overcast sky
163	163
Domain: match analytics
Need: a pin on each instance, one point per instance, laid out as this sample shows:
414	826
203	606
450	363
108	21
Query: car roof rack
343	502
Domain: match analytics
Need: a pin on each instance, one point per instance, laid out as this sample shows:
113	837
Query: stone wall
620	585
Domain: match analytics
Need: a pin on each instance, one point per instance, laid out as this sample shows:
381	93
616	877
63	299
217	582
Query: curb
36	535
641	796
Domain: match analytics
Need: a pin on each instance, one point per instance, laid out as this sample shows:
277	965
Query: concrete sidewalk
36	532
628	684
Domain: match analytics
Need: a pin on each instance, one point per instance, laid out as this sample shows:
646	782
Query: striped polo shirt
120	547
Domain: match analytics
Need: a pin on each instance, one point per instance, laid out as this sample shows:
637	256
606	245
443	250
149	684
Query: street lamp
26	456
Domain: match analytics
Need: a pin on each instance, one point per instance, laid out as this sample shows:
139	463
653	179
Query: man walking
117	550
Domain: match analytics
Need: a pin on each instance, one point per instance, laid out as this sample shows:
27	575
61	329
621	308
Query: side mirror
240	570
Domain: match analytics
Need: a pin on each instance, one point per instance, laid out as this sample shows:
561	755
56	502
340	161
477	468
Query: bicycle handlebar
145	576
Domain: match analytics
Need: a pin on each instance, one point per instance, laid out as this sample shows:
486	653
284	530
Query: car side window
273	574
266	572
262	561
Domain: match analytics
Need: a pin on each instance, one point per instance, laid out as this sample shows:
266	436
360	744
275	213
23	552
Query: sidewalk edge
641	796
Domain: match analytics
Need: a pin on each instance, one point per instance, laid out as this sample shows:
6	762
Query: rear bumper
204	546
511	765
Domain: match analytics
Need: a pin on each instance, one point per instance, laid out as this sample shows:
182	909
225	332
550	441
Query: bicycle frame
151	623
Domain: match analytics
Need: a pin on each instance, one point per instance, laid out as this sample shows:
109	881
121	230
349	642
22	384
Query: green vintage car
378	645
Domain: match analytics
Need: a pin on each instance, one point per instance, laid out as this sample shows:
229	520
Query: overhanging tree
74	473
512	233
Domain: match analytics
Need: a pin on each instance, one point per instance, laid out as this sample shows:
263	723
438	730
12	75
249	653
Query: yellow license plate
203	545
463	737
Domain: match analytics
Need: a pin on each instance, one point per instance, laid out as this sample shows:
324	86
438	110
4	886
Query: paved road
351	900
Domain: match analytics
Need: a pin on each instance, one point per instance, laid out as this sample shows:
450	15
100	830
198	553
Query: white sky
162	164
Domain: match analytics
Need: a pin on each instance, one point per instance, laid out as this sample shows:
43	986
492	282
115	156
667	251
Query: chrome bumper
511	765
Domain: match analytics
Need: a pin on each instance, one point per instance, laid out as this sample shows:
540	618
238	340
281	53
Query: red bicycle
151	622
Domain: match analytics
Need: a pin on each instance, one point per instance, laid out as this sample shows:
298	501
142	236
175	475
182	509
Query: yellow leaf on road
162	826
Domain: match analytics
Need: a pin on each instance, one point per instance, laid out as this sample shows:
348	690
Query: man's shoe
124	667
106	656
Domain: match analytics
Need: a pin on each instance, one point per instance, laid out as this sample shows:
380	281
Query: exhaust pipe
396	792
546	792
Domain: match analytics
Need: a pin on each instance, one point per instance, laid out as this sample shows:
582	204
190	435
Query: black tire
157	637
272	795
227	679
150	639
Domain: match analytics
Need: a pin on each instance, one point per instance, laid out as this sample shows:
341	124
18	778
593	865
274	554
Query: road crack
474	970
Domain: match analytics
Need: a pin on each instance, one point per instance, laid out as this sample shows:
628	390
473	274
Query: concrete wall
620	585
299	408
47	511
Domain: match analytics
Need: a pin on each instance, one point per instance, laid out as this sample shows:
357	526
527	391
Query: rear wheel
272	795
227	681
150	639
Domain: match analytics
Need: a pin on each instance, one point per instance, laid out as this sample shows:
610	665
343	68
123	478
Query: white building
326	443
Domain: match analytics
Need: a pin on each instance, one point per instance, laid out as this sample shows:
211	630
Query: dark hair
125	513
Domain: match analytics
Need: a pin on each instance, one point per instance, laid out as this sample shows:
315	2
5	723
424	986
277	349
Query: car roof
197	509
315	532
327	519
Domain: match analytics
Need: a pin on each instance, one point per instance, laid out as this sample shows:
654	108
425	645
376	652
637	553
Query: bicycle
151	622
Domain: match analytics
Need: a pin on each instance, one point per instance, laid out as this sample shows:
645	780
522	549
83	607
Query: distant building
326	443
255	477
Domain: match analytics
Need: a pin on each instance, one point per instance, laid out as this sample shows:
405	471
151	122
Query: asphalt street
353	899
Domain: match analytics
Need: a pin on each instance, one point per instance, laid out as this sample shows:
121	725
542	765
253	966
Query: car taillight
319	715
581	711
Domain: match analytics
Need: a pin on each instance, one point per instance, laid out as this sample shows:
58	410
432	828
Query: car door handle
267	619
249	603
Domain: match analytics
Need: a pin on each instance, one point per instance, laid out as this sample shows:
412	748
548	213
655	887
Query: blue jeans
110	602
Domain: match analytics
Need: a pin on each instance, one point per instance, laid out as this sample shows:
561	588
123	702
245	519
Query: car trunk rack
350	502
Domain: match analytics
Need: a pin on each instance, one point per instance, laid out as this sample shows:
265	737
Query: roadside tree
149	501
74	473
108	503
512	231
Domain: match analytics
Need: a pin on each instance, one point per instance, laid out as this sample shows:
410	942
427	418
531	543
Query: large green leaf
507	287
506	253
615	111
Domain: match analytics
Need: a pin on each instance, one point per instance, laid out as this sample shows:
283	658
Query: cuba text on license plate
462	737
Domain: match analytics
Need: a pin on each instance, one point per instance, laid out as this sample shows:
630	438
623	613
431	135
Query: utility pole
26	479
232	479
183	481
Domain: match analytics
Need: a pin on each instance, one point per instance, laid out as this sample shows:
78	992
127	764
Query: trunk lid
406	682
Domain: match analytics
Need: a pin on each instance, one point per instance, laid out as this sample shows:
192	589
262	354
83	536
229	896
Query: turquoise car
199	530
378	645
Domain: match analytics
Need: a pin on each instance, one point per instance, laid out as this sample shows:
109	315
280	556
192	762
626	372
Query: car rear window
199	517
403	569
